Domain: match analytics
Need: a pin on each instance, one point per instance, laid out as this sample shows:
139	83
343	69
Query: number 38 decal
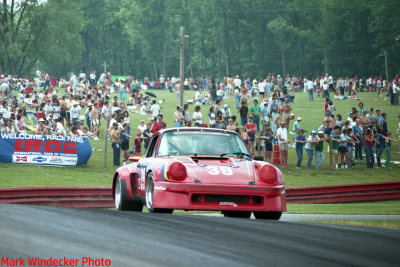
215	170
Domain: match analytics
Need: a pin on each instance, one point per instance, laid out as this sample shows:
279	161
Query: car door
143	165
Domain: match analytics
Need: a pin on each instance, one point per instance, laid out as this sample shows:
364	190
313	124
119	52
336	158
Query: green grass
95	174
367	223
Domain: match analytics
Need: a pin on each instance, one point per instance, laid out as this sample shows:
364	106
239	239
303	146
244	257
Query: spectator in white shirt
283	142
106	113
237	82
60	127
48	109
6	110
197	117
56	110
155	109
74	111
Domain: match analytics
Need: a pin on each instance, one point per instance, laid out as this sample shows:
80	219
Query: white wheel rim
149	194
117	194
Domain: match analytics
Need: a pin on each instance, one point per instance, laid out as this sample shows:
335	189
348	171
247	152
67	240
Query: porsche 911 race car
200	169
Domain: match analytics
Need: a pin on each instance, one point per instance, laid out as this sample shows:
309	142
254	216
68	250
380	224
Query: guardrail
343	193
73	197
101	197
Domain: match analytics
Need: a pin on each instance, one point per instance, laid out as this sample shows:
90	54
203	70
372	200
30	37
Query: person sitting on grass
296	126
41	128
84	132
11	128
74	132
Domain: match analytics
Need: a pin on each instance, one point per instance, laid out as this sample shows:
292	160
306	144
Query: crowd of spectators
264	109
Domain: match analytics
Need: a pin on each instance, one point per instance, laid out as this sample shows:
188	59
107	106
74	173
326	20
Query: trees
33	31
247	37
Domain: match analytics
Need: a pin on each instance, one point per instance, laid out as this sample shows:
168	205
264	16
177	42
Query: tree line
246	37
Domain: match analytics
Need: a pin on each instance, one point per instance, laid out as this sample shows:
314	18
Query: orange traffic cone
276	155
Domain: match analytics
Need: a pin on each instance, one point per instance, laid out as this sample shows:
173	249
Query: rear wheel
120	196
268	215
237	214
150	197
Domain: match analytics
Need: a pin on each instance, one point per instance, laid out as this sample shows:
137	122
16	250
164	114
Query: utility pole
226	65
386	67
106	131
105	143
326	63
283	57
219	63
182	67
164	61
283	65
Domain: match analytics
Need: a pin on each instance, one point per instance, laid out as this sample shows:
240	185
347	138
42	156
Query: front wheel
268	215
150	197
120	195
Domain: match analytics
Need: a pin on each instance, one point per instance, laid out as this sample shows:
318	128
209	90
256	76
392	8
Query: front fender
125	173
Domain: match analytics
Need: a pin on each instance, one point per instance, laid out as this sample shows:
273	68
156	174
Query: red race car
200	169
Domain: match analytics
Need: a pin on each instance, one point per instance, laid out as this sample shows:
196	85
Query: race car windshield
210	143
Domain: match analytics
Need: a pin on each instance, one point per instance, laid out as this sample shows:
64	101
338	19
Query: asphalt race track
142	239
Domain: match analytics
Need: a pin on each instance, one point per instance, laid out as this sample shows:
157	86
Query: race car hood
219	170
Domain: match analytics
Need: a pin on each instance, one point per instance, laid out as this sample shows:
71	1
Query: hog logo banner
44	149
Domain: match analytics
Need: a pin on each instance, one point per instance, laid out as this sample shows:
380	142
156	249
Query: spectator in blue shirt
300	141
274	113
358	135
379	140
265	113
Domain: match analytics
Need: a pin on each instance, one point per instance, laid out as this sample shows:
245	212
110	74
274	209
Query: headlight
177	171
268	174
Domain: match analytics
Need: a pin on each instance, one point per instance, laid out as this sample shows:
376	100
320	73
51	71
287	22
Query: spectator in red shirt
326	104
138	144
368	142
160	124
251	129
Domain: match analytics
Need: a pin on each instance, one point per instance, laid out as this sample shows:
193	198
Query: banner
44	149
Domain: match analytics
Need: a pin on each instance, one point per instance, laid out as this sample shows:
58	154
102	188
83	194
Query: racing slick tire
120	196
150	194
268	215
237	214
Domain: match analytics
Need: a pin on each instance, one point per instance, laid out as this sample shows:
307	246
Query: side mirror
135	158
